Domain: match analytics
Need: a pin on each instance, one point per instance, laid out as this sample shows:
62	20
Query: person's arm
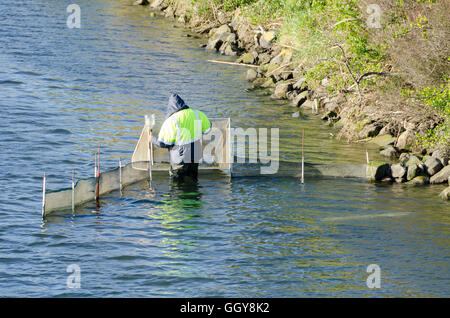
167	135
206	123
160	143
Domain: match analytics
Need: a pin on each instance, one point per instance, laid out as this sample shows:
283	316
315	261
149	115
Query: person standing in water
181	133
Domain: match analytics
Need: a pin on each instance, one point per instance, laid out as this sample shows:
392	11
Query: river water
65	91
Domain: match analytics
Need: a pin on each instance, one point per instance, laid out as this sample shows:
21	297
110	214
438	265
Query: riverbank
358	112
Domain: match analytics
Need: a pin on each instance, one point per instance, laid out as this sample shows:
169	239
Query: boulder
419	180
219	31
377	171
329	116
281	90
370	130
300	85
406	139
386	130
308	104
383	140
398	171
404	157
332	106
285	56
141	2
445	194
433	165
300	99
221	17
268	83
266	39
413	160
159	4
259	82
442	176
413	171
286	75
390	152
228	49
214	43
251	75
442	156
264	58
247	58
277	73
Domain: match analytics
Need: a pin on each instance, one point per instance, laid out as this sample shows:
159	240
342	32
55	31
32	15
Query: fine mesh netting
216	156
217	161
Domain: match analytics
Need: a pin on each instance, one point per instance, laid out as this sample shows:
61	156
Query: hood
176	103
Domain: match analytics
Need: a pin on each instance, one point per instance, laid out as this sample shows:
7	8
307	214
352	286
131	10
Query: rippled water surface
65	91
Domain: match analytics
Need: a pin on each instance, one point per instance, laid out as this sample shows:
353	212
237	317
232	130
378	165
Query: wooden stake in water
73	190
44	180
303	157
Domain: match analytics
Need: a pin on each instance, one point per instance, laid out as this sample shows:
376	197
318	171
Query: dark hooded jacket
179	154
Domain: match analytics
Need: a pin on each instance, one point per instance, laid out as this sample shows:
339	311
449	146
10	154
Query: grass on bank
343	39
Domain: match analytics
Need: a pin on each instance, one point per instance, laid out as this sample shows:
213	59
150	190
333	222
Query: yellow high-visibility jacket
181	132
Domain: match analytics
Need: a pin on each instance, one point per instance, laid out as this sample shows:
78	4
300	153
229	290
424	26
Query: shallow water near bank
65	91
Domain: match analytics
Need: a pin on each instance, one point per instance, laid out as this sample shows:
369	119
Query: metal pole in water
316	105
150	159
44	180
95	175
98	175
73	190
120	175
303	157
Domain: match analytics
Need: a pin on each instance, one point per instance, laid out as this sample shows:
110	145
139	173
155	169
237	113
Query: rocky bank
271	67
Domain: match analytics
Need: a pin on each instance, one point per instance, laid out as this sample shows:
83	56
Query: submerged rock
445	194
377	171
419	180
